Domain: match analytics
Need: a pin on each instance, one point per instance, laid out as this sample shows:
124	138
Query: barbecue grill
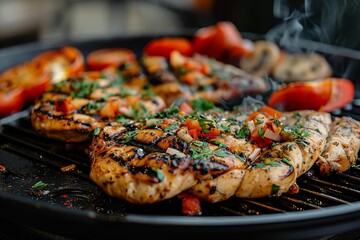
37	197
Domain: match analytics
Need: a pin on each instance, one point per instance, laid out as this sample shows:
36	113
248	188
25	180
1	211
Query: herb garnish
275	189
129	136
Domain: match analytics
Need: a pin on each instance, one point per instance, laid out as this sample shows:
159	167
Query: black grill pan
73	206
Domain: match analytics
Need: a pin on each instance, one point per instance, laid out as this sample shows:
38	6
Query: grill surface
28	158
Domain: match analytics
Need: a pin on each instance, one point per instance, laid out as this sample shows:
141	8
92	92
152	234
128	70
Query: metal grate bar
325	196
300	202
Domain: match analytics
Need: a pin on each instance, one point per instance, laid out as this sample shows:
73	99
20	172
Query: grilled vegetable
326	95
109	57
298	67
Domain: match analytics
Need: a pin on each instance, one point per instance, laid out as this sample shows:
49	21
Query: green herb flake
197	153
121	119
172	127
297	115
38	185
220	144
159	173
221	153
225	127
129	136
259	120
96	131
243	132
200	143
275	189
261	132
241	156
286	161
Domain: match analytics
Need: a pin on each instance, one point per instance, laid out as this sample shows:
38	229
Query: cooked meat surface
155	159
342	146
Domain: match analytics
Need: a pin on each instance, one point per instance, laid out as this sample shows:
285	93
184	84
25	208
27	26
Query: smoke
328	27
334	22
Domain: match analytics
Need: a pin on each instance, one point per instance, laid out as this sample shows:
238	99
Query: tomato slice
221	41
165	45
11	101
109	57
343	92
28	76
326	95
61	63
300	96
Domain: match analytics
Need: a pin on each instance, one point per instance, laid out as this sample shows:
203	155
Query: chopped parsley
286	161
172	127
83	89
261	132
221	153
262	165
38	185
241	156
159	173
220	144
168	112
129	136
275	189
243	132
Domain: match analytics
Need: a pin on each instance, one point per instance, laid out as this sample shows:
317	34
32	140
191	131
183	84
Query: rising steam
321	21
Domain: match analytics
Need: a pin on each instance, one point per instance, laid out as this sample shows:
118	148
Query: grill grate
40	159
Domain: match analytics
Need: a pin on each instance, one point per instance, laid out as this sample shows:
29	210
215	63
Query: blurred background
335	22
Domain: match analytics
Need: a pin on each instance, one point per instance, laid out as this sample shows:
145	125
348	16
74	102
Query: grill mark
60	117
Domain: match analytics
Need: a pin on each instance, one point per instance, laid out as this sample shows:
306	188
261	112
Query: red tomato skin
31	93
221	41
343	93
109	57
190	205
11	102
326	95
76	58
165	45
301	96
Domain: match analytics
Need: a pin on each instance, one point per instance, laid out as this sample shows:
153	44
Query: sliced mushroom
261	61
302	67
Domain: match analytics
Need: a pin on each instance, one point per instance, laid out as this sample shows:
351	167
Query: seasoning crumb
68	168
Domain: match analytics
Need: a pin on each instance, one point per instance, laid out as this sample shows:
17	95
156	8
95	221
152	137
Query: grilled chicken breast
73	108
158	158
342	146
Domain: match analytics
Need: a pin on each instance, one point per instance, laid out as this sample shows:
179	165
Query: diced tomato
270	111
192	124
165	45
11	101
259	139
109	57
194	133
327	95
189	78
64	105
213	132
190	205
253	115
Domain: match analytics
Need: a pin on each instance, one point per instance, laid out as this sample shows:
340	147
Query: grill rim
236	224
